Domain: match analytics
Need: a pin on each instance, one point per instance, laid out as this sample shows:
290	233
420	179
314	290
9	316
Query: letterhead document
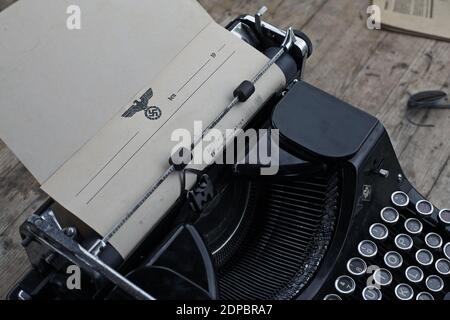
110	171
59	86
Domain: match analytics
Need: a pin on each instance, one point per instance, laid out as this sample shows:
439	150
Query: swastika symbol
153	113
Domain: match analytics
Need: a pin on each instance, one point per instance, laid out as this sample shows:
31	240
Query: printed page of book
430	18
115	169
59	87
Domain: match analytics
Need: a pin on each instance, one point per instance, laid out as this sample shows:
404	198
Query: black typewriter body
339	221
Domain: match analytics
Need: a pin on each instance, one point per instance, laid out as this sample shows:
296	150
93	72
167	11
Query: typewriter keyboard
405	255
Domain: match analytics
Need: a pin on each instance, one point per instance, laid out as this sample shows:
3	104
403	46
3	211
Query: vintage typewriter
338	221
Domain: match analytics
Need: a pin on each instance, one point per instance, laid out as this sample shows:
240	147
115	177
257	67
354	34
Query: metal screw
70	231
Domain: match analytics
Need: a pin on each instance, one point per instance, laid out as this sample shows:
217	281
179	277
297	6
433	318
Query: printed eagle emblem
152	112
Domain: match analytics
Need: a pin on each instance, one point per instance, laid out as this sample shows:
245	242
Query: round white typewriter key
414	274
404	291
378	231
389	215
413	226
424	257
433	240
371	293
382	277
424	207
404	241
393	259
434	283
400	199
444	216
367	248
424	296
443	266
345	284
447	250
356	266
332	297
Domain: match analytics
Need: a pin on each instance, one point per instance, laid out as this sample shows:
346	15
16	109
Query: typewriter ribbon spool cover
91	112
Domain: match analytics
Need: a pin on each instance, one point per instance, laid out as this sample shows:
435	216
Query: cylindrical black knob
244	91
181	158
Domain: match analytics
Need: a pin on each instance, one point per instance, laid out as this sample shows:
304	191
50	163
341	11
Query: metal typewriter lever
47	230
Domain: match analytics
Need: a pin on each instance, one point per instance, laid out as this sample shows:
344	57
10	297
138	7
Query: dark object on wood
426	100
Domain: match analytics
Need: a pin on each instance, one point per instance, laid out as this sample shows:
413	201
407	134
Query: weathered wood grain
18	191
280	11
7	160
13	259
440	192
19	196
342	44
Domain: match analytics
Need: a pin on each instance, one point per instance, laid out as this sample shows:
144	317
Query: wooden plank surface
374	70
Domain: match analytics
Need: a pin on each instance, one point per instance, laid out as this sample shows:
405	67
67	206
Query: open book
91	112
429	18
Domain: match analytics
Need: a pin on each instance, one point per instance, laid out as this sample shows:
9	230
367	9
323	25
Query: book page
59	87
420	17
115	169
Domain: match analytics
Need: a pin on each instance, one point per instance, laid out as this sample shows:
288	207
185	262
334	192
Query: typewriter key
413	226
382	277
424	296
447	250
414	274
443	266
404	292
332	297
345	284
393	259
424	257
403	241
424	207
367	248
356	266
434	283
444	216
433	240
389	215
400	199
371	293
378	231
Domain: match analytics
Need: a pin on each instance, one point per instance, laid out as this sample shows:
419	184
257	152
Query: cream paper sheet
111	173
63	95
59	87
